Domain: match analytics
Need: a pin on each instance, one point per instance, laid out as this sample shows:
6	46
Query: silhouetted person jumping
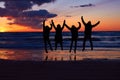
58	34
46	32
87	32
74	32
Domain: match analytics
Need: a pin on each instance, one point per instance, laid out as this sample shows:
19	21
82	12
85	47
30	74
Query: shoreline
59	55
99	64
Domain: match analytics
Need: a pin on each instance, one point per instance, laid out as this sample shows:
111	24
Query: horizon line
51	31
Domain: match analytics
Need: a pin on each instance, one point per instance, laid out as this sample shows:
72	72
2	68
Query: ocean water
35	40
30	46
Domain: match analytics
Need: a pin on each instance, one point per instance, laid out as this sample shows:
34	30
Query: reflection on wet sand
97	54
20	54
58	55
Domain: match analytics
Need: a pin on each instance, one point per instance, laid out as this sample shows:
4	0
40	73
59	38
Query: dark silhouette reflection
75	58
46	32
87	32
74	32
58	35
70	58
46	58
62	59
55	59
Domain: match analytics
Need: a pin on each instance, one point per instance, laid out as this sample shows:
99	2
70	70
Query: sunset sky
27	15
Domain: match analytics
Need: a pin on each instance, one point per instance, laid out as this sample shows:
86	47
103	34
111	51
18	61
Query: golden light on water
40	55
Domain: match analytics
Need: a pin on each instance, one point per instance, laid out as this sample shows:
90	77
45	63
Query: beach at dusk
41	55
59	40
68	70
23	57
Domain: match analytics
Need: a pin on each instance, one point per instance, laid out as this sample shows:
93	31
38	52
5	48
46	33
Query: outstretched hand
98	21
50	23
81	16
51	20
64	22
79	23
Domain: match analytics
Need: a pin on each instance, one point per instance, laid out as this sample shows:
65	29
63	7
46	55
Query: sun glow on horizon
105	11
103	26
5	27
2	30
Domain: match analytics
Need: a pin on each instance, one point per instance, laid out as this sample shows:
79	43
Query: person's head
47	27
73	26
89	22
58	26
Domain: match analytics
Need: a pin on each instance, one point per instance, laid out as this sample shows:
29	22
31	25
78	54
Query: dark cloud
40	13
17	10
68	16
40	2
87	5
18	5
29	21
33	18
7	12
23	4
9	18
3	11
84	5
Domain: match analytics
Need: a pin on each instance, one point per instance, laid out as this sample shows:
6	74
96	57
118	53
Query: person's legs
75	46
84	43
56	45
91	44
45	42
61	45
71	45
50	44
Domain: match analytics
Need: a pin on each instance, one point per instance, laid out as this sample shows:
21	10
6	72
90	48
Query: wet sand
98	53
59	55
99	64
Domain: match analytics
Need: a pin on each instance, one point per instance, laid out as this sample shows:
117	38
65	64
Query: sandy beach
60	70
99	64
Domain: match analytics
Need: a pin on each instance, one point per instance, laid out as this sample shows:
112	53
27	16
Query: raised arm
79	25
53	24
63	24
96	24
67	26
50	26
43	24
83	20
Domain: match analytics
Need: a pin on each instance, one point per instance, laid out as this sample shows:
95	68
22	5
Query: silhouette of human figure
87	32
58	35
74	32
46	32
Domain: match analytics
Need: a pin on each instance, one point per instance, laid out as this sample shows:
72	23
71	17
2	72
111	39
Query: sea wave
35	39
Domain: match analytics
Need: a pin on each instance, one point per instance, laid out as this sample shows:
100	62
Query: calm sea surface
30	46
